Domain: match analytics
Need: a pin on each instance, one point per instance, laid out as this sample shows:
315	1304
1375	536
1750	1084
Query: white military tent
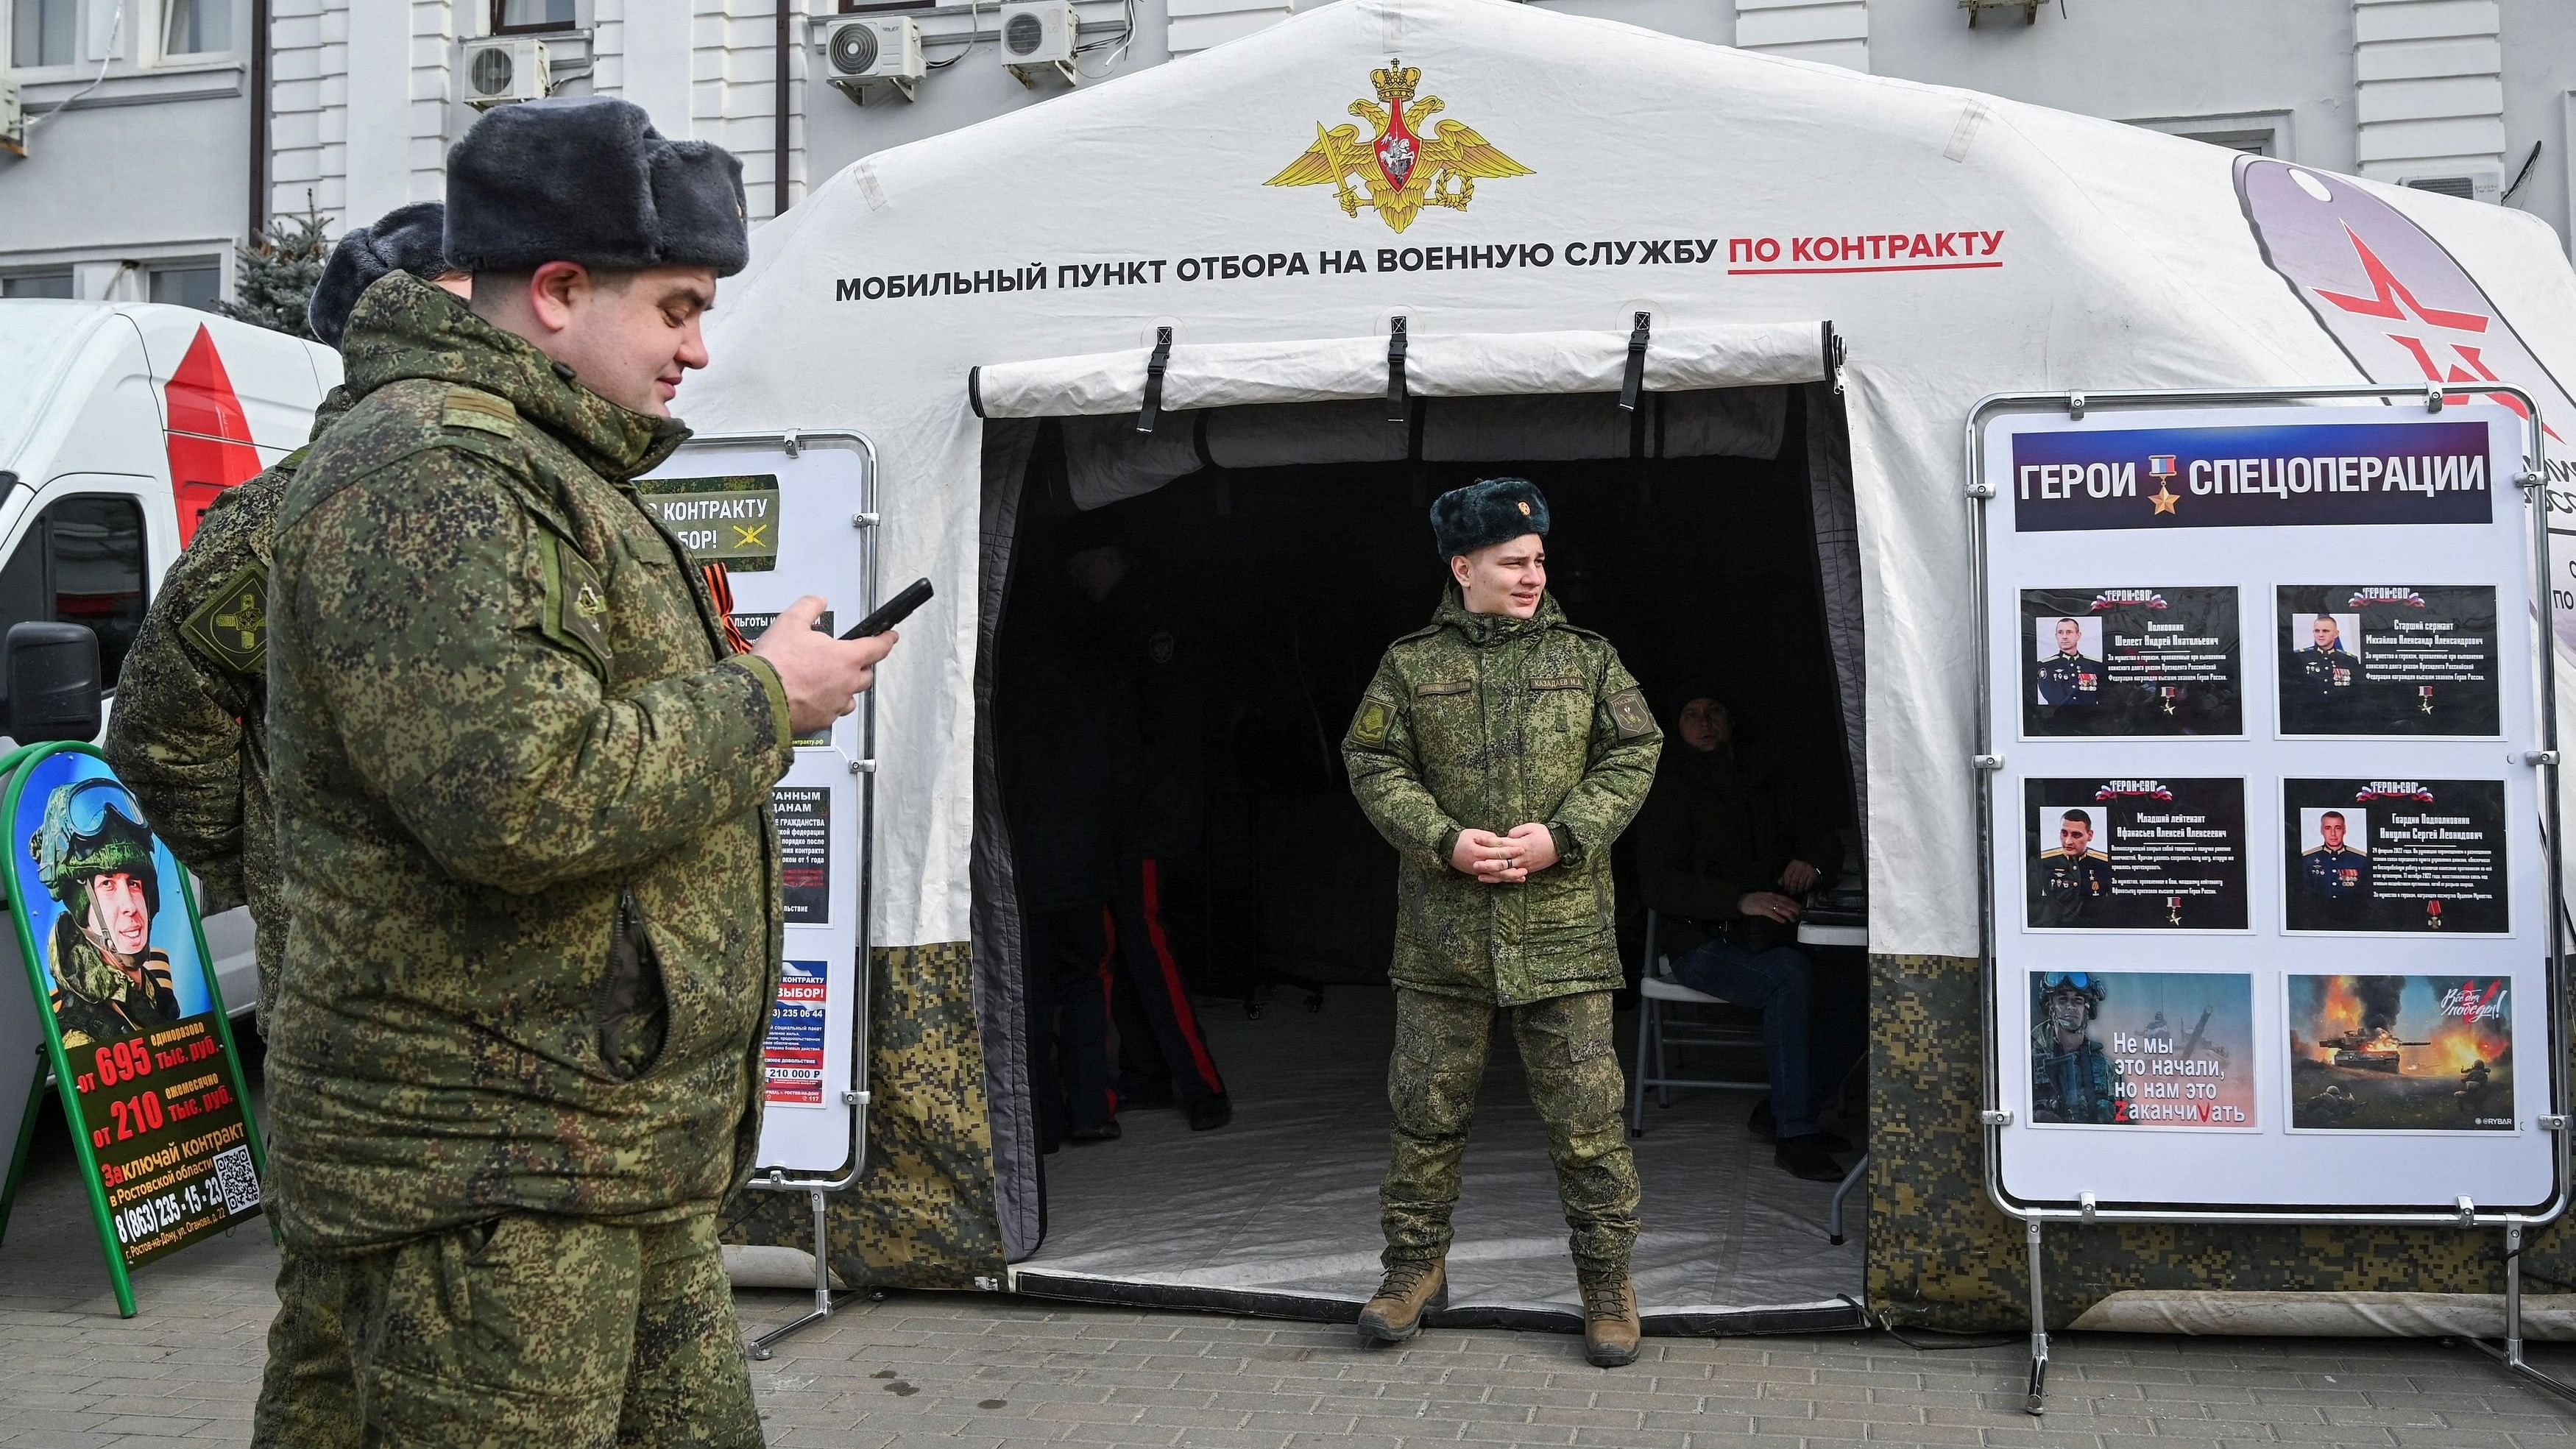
1577	173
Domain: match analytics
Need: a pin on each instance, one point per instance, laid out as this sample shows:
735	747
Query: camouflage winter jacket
1487	722
522	791
189	734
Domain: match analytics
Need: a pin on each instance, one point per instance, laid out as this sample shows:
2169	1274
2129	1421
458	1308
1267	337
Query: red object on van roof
209	435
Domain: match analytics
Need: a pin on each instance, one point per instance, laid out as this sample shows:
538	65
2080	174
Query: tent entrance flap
1676	358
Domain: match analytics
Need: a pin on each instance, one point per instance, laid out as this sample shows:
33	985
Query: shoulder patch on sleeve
1373	721
231	626
1628	713
468	407
576	610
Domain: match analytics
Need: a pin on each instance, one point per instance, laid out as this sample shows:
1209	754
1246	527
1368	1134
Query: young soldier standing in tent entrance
189	737
522	787
1501	750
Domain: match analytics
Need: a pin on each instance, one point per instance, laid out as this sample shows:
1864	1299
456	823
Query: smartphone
892	612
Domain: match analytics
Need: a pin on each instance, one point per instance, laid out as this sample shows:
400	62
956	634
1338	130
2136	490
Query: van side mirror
53	682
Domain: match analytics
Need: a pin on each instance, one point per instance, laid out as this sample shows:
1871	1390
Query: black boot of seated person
1808	1158
1409	1289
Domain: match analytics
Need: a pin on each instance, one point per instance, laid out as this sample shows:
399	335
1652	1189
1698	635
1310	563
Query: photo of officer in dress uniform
94	854
2072	1079
2327	667
2074	879
2070	661
2334	874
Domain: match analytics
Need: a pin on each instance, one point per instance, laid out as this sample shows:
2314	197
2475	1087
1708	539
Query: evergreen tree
274	273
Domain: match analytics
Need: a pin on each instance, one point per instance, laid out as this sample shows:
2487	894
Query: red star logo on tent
2390	298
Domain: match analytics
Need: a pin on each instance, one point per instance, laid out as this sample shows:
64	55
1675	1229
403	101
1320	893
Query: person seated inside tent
1725	851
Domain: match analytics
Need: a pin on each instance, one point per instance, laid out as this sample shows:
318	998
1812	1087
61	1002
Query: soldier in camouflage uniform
1501	750
190	736
522	794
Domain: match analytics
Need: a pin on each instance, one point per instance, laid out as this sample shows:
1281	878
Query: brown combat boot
1610	1326
1395	1314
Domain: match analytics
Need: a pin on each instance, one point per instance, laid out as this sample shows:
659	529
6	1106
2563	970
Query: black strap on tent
1154	366
1634	385
1395	370
1833	357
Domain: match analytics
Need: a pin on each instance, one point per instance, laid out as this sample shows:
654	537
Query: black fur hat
587	179
405	239
1495	510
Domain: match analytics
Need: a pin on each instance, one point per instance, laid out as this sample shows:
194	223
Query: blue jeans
1775	983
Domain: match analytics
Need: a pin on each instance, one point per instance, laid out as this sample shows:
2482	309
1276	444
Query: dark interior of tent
1708	537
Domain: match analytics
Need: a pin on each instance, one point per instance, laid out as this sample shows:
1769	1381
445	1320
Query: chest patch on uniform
1628	713
231	627
1374	718
1558	681
469	408
576	610
1159	648
1443	686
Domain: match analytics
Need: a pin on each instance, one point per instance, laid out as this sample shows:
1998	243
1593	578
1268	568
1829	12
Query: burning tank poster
2401	1054
2142	1049
2135	854
2131	661
2388	659
2395	856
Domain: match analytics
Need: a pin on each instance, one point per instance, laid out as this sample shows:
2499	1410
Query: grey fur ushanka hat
1495	510
587	179
405	239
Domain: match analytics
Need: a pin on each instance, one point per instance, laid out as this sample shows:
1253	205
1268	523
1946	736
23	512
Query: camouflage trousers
541	1332
308	1399
1574	1081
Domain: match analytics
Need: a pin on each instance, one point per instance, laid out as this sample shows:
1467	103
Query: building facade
147	137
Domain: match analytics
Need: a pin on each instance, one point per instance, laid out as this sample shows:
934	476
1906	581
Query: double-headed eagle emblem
1401	171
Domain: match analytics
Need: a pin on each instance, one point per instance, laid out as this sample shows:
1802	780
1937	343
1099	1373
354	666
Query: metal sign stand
1994	1117
819	1191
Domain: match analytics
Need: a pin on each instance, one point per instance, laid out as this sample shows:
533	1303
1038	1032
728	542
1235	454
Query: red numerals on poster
123	1062
139	1113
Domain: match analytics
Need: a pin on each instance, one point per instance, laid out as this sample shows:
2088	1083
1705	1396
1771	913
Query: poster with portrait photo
2388	659
2397	856
2134	854
2131	661
2142	1050
2400	1053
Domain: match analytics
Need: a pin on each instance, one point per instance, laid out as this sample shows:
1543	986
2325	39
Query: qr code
240	1183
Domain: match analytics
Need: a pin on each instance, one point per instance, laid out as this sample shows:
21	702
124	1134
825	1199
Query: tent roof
1962	245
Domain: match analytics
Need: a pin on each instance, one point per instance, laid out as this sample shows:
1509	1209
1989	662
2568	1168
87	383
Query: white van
119	424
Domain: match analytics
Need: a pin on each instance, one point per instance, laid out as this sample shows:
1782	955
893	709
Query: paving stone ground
980	1372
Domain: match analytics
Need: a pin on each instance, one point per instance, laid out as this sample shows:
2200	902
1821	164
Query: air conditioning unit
1037	38
13	121
503	70
2466	185
864	55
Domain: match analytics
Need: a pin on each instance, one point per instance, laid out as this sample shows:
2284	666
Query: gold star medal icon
2164	498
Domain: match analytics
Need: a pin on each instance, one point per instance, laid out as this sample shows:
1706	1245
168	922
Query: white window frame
2223	129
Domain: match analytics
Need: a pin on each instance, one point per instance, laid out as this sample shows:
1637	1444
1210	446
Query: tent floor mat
1275	1215
1841	1315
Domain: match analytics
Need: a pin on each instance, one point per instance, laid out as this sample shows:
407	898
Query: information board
135	1030
786	522
2269	899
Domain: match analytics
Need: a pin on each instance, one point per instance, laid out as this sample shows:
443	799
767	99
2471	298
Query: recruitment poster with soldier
2387	659
2142	1049
145	1060
2131	661
2135	854
2401	856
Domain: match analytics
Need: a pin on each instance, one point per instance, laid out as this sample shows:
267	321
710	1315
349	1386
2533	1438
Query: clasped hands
1504	859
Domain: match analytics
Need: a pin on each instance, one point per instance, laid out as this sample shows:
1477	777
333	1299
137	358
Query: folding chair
1659	1032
